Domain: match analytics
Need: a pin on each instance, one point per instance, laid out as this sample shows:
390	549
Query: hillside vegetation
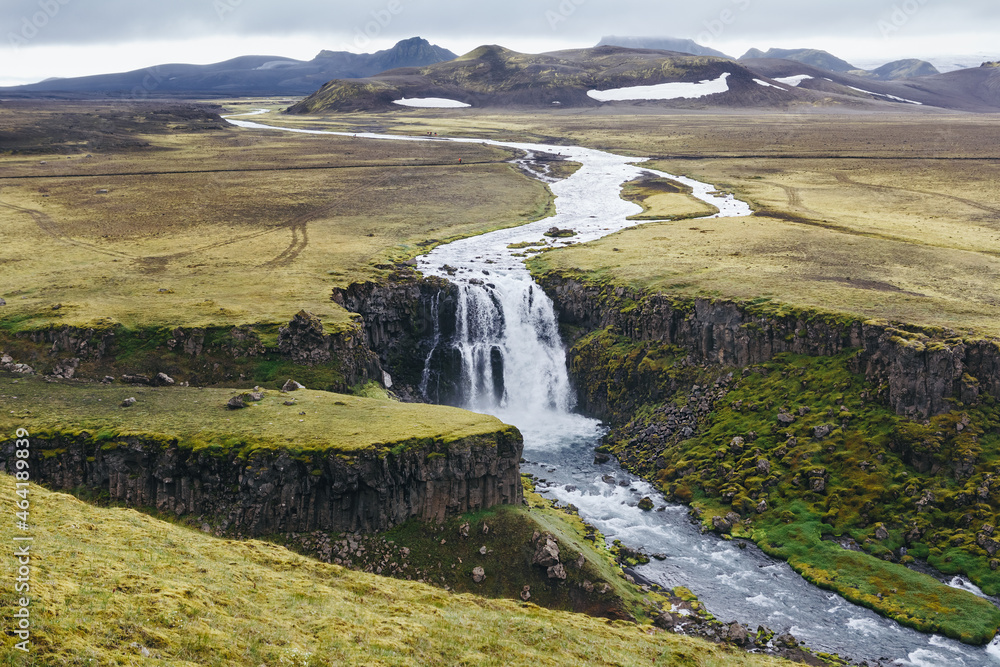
116	587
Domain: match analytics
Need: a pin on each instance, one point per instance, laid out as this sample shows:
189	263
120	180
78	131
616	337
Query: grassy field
198	418
889	217
116	587
230	226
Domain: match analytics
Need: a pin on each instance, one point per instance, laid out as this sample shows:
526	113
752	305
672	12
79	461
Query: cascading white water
512	357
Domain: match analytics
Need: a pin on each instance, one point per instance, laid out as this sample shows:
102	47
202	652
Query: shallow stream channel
514	367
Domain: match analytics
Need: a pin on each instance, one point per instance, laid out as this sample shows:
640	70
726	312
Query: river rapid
514	367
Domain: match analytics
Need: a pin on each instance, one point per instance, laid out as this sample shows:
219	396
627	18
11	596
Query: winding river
514	366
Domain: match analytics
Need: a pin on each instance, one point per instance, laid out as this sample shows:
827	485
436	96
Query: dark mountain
245	75
493	76
813	57
662	44
974	89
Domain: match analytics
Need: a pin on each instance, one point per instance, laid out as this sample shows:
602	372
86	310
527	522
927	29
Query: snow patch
431	103
767	85
792	80
886	96
663	91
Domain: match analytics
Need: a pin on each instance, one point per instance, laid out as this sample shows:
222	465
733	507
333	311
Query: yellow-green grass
109	583
198	419
800	265
889	217
508	561
663	199
281	221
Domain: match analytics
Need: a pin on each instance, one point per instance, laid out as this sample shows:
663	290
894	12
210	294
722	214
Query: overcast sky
46	38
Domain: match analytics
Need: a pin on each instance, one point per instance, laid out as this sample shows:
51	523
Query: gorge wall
275	492
918	371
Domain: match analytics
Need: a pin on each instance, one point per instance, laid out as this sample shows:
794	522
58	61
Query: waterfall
435	317
507	338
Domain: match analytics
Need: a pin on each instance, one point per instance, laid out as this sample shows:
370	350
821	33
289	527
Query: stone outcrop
919	370
271	492
407	321
305	341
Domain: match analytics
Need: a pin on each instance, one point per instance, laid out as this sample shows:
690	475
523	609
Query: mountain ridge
242	75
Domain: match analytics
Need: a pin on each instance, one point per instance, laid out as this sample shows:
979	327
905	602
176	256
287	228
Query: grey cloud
110	21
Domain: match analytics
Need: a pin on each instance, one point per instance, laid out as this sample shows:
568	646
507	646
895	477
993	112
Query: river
514	367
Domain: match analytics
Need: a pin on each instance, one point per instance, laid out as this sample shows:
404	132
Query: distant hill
245	75
975	89
493	76
900	69
814	57
662	44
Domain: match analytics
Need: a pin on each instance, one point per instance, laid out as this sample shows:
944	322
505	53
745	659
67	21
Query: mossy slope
110	586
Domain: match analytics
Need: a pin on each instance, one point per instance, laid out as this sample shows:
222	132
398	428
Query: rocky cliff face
271	492
920	371
202	355
409	323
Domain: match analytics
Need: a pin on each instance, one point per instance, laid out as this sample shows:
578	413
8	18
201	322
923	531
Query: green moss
875	477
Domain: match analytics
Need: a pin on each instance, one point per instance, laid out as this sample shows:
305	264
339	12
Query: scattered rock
646	504
763	466
291	385
601	457
880	532
736	445
107	379
478	574
587	586
486	528
557	571
737	634
761	507
237	402
526	593
720	525
822	431
463	530
785	419
2	302
547	552
162	380
128	402
135	379
292	402
482	550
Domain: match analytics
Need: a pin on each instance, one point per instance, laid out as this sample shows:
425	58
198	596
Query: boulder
737	634
237	402
546	553
463	530
135	379
291	385
128	403
557	571
162	380
880	532
478	574
526	593
822	431
2	302
646	504
785	419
